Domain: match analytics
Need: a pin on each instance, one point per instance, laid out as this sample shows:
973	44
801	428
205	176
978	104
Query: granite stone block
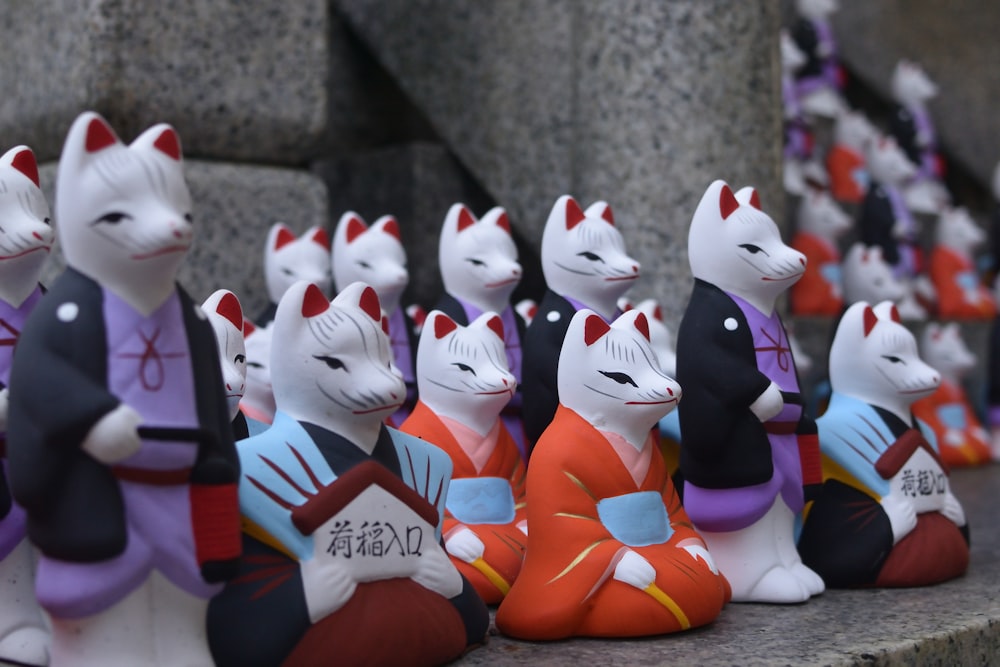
640	103
239	80
233	207
956	45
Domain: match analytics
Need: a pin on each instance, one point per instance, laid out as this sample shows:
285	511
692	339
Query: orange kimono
819	291
579	497
948	410
504	543
848	174
960	296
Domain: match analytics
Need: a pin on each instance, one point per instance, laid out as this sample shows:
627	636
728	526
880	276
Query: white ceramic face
225	315
372	255
26	235
288	259
478	259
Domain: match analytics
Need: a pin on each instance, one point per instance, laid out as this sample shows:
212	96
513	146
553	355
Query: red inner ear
321	237
755	200
894	315
385	325
870	320
443	325
248	328
608	216
727	202
355	228
314	302
168	144
229	308
391	227
574	214
99	136
642	325
25	163
658	314
594	328
370	304
496	325
503	222
465	219
283	238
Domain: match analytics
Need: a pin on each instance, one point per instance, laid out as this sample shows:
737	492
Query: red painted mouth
494	393
670	400
393	408
778	280
162	251
622	278
501	283
46	248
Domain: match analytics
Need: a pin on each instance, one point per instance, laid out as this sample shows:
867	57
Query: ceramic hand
952	509
635	570
902	516
954	437
326	584
464	545
437	573
699	552
768	404
115	436
523	526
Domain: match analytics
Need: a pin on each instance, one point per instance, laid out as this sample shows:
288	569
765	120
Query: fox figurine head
26	234
887	163
874	358
462	372
819	215
258	395
478	258
868	277
372	255
124	211
910	85
289	259
660	336
225	314
583	255
610	376
735	246
958	231
942	346
331	364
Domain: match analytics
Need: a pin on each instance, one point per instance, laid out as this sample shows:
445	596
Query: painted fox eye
464	367
48	221
892	359
287	271
364	265
240	359
475	262
751	248
188	218
255	364
620	378
586	254
331	362
113	218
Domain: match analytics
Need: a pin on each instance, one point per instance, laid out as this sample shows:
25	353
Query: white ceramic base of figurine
24	634
156	625
761	562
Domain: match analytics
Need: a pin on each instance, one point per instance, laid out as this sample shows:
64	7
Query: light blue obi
831	273
476	500
952	415
636	519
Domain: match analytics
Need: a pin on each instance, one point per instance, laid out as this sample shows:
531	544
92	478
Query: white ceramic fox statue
289	259
748	450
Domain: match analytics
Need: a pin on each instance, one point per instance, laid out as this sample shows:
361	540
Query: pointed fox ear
465	219
314	302
642	325
229	308
168	143
594	328
321	237
390	227
503	222
99	135
282	236
248	327
385	325
727	202
574	214
370	304
24	162
870	320
443	325
755	199
496	326
355	228
894	315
